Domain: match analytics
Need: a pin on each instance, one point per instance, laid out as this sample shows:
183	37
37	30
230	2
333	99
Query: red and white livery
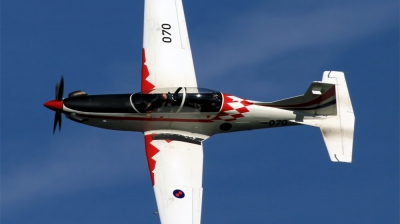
176	116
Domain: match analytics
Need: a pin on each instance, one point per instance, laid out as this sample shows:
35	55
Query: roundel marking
178	193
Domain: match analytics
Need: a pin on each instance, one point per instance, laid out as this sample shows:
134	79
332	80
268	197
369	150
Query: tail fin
326	105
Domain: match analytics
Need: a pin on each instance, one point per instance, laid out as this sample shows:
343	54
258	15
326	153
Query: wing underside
167	57
175	161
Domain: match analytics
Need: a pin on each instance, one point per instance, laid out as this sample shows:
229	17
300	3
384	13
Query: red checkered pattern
233	108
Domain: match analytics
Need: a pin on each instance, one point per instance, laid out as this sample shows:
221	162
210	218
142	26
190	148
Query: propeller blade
60	89
57	121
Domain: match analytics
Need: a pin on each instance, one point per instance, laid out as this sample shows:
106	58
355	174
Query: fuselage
188	109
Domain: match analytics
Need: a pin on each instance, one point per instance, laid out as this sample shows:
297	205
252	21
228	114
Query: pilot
161	100
215	100
213	104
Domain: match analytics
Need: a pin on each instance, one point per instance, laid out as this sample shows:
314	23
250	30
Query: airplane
176	116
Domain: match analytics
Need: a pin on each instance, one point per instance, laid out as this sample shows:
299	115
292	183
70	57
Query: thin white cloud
258	36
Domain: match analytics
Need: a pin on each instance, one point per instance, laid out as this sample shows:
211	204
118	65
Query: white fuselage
236	114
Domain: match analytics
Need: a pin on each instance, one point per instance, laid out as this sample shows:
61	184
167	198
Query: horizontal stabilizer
338	131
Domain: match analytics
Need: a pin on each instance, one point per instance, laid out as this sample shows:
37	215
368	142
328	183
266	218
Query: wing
175	161
166	57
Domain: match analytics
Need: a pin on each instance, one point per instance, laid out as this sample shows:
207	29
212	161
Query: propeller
59	95
57	105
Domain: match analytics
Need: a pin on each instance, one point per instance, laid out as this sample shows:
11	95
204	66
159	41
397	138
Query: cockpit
177	100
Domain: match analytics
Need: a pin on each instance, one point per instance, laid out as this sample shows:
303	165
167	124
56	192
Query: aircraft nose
54	105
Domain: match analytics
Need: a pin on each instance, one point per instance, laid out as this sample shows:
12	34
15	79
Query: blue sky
259	50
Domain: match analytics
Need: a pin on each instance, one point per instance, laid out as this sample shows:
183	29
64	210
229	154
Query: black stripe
115	103
177	137
333	102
